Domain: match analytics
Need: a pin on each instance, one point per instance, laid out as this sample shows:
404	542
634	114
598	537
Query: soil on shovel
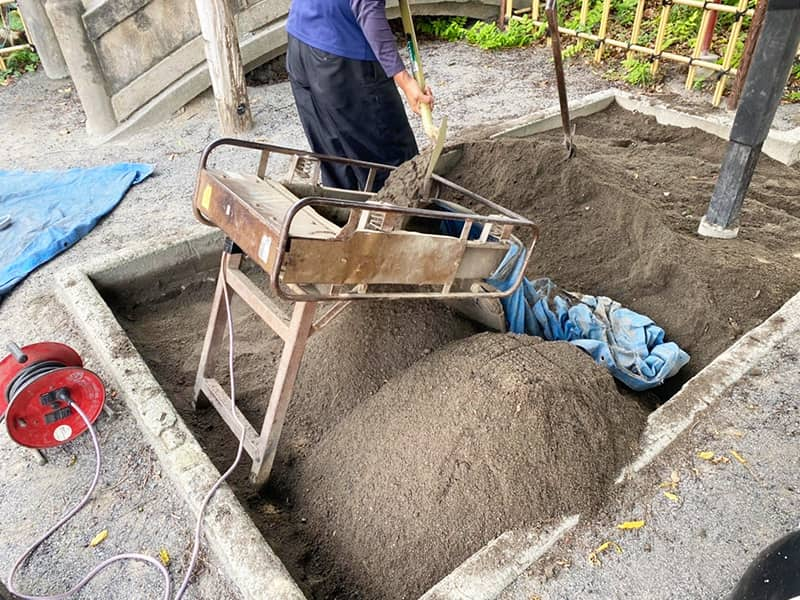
410	442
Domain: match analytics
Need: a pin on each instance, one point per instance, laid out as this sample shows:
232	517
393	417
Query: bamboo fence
658	52
6	51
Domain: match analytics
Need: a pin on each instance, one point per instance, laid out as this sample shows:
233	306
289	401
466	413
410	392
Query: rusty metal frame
507	220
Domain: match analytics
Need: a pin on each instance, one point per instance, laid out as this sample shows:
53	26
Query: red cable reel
38	385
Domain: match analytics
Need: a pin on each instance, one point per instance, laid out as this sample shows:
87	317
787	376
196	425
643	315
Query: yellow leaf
668	485
707	455
98	539
738	457
593	556
673	497
631	525
164	556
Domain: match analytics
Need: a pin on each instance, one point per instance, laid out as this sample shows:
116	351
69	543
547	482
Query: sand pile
487	434
620	220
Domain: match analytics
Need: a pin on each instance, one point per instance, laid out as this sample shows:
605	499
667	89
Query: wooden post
763	90
224	60
747	56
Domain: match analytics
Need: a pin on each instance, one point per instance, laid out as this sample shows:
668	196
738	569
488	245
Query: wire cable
66	517
221	480
98	462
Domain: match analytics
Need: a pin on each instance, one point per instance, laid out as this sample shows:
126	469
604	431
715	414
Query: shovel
555	37
437	134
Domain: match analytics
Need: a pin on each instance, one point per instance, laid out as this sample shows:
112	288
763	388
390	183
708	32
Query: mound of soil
488	434
620	220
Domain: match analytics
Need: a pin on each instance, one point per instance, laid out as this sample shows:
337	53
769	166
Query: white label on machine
62	433
263	249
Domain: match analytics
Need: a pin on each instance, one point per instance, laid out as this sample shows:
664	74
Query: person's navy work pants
348	108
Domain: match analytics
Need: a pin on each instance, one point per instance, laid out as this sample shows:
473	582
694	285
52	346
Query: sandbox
359	504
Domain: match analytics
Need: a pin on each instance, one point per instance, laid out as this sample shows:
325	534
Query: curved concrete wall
134	62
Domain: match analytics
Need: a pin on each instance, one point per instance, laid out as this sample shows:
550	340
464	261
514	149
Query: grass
17	64
519	32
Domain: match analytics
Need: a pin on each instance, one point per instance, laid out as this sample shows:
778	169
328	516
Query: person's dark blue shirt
355	29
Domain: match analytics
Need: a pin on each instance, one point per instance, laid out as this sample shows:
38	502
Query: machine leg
216	327
299	330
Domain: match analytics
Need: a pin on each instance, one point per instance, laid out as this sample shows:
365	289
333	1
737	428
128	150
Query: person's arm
371	17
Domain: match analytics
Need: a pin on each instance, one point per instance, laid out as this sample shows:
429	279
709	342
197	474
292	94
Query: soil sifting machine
324	247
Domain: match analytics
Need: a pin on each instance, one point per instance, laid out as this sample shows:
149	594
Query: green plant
593	17
447	29
792	97
625	11
18	63
637	72
15	21
573	49
796	70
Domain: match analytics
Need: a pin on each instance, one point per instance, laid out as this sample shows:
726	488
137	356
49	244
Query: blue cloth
52	210
631	346
355	29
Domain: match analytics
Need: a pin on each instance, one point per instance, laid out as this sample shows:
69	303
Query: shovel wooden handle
416	68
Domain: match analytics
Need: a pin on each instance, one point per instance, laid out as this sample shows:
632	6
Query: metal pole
763	90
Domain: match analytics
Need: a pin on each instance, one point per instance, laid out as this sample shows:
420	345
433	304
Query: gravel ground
44	130
139	507
726	513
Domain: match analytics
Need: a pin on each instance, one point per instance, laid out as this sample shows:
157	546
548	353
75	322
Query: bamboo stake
535	12
583	18
509	10
704	23
726	63
598	56
584	12
662	33
750	45
637	26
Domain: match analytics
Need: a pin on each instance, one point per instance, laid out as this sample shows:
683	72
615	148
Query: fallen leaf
98	539
72	460
593	556
706	455
164	556
675	476
738	457
673	497
631	525
668	485
720	459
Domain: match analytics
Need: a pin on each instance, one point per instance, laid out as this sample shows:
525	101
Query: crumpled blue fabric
630	345
51	210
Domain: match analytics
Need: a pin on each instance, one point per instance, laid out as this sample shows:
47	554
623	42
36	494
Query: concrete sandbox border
236	542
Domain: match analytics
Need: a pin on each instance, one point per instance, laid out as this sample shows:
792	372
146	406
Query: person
344	69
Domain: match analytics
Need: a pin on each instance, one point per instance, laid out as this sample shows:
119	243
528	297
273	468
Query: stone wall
134	62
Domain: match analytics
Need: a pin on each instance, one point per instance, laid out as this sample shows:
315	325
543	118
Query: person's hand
415	96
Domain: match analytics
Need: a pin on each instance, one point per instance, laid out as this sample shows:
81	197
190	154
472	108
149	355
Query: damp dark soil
412	439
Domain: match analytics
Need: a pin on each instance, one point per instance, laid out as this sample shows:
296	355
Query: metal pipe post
763	90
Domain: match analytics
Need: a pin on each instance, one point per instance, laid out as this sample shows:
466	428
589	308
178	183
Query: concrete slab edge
237	544
783	146
550	118
492	569
712	383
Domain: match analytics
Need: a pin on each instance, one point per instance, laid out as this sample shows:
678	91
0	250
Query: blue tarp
52	210
631	346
